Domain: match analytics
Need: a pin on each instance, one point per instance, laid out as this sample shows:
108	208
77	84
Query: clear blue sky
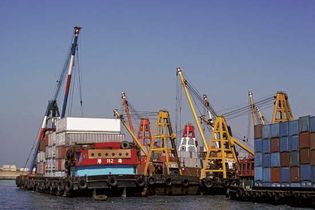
224	47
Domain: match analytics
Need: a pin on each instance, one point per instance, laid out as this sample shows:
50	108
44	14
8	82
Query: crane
126	106
220	137
282	110
255	111
52	110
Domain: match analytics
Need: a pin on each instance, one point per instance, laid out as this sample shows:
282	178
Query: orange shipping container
313	157
295	174
312	141
305	140
284	159
305	156
275	174
258	131
275	145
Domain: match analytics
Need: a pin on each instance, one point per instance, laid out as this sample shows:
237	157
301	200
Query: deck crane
216	156
209	120
282	110
126	106
255	111
52	110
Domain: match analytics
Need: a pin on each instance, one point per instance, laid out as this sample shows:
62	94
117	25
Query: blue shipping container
294	143
293	127
266	175
283	129
306	172
285	175
266	145
258	160
304	124
284	144
258	145
313	174
266	133
275	159
274	130
258	173
294	158
266	160
312	124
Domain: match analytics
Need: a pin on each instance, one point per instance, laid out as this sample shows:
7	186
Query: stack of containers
287	157
40	164
258	161
51	155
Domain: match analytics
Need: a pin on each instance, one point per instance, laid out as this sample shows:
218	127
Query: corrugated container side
266	160
258	131
294	143
305	140
293	127
284	144
52	139
295	174
283	129
258	145
294	158
284	159
266	145
312	141
304	124
258	160
275	174
306	172
266	133
285	175
275	145
266	175
312	121
305	156
274	130
313	157
275	159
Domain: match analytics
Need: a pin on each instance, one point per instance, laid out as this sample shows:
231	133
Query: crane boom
126	106
179	73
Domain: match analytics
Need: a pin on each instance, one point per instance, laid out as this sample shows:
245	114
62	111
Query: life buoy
140	181
151	180
168	182
68	185
207	183
185	183
112	181
82	183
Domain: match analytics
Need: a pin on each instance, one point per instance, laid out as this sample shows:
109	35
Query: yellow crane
282	110
255	111
221	147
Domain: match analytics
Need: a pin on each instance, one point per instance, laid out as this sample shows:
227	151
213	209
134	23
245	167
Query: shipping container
312	141
266	160
258	145
313	157
295	174
275	159
293	127
258	160
275	175
266	175
294	143
305	140
275	145
66	138
88	124
283	129
266	133
285	175
312	124
258	131
305	156
52	139
294	158
285	159
266	145
304	124
258	173
306	172
284	144
274	130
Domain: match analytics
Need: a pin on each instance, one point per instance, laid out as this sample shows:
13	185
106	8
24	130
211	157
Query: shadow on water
13	198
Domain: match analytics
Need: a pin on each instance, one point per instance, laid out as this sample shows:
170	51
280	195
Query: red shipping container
60	164
258	131
305	139
275	174
312	141
295	174
313	157
284	159
305	156
275	145
61	153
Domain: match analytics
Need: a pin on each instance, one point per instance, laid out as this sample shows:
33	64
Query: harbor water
13	198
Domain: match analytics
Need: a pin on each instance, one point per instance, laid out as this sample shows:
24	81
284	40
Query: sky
225	48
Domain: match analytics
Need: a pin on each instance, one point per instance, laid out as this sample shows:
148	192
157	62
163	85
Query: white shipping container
41	157
61	139
52	139
67	138
88	124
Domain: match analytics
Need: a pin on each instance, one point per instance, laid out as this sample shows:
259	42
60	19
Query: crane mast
282	110
255	111
126	106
